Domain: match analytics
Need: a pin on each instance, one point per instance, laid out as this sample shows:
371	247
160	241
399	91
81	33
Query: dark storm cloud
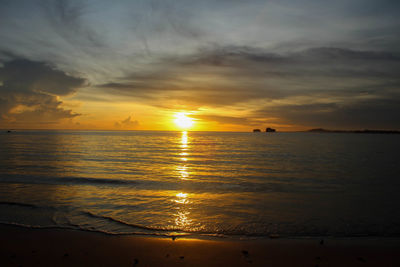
29	92
256	72
351	82
364	114
315	61
155	83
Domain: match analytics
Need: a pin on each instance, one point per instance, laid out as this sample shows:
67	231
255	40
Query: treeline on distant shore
366	131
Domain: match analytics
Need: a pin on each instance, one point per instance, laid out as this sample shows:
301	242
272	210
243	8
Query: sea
202	184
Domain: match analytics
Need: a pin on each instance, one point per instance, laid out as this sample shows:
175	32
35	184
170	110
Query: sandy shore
38	247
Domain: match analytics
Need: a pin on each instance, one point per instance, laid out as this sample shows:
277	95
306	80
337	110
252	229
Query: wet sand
39	247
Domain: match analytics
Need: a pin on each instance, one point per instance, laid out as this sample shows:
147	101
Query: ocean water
202	183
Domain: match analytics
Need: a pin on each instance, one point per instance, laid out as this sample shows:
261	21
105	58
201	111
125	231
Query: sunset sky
228	65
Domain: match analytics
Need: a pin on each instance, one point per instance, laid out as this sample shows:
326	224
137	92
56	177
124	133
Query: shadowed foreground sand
38	247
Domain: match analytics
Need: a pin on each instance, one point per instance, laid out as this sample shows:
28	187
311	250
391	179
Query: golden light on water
181	198
183	156
184	141
183	173
182	219
184	146
180	195
183	121
182	216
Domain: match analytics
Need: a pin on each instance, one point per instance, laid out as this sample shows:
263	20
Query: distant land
366	131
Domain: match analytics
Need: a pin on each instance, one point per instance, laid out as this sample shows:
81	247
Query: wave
109	228
132	229
114	220
67	213
84	180
241	232
194	185
80	228
29	179
198	234
18	204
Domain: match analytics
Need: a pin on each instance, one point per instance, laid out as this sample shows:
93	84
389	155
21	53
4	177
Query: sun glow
183	121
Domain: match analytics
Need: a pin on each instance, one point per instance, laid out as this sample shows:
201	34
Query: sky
228	65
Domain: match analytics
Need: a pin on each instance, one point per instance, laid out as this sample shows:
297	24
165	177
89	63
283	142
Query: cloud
67	19
317	84
127	123
258	55
224	119
365	114
30	91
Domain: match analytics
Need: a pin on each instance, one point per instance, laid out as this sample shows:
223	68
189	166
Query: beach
58	247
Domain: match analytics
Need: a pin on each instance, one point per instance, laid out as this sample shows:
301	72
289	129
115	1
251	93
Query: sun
182	121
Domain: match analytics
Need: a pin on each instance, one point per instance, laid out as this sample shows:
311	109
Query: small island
267	130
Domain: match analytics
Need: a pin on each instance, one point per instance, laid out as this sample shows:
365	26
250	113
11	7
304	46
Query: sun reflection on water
182	198
183	173
182	169
182	215
184	140
182	219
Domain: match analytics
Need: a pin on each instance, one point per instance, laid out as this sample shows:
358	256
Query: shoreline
207	236
63	247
